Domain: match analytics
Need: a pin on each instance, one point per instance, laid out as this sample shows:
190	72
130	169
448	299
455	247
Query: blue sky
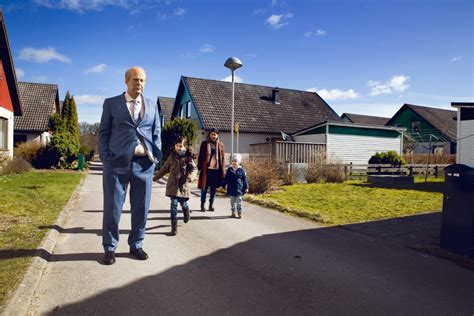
367	56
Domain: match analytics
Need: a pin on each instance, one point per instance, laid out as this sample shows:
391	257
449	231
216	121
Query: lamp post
232	63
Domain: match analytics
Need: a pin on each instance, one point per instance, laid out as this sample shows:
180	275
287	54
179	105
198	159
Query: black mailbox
457	226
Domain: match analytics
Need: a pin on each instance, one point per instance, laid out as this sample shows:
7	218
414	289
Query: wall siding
315	138
8	115
466	145
359	149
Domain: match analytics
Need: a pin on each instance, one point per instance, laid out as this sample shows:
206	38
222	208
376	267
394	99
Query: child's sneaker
233	214
239	215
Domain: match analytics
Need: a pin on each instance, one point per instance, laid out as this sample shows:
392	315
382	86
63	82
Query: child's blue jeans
174	205
236	203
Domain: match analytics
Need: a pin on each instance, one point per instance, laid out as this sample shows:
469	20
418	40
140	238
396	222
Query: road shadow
425	187
308	272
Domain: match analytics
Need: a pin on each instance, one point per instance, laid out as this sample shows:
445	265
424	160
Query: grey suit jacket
118	132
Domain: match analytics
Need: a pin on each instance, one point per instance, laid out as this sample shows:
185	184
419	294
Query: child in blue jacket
237	185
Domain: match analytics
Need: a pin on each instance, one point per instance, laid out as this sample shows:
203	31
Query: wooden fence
409	169
289	152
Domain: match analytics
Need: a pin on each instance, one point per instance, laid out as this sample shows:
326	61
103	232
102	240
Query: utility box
80	161
457	225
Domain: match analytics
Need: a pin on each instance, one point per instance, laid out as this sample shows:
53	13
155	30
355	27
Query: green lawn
354	201
29	204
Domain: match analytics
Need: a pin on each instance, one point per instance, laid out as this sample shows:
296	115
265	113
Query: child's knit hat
237	157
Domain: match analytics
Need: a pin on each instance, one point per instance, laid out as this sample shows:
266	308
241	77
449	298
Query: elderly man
130	146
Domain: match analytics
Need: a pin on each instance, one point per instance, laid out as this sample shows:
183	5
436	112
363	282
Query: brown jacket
173	166
202	163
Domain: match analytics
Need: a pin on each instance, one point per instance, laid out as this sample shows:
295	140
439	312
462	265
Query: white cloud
259	11
19	73
456	58
42	55
320	32
89	99
274	3
180	11
395	84
96	69
94	5
236	79
335	94
206	48
277	21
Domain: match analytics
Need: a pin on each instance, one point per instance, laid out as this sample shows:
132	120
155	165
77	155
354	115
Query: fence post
410	170
379	169
436	171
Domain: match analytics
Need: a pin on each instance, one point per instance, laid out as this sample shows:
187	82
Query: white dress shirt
140	149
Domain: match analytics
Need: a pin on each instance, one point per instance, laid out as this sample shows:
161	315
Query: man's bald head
135	79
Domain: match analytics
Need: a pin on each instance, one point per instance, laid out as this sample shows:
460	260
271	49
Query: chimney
276	95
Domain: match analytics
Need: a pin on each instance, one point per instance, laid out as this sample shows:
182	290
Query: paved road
267	263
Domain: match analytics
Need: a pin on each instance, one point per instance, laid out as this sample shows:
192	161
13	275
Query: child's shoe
233	214
239	215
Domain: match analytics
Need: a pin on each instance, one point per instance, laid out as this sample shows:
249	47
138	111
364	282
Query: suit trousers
115	183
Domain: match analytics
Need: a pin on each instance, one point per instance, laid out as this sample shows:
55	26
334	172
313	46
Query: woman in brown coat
182	169
211	166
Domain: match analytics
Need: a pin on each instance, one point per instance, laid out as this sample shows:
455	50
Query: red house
9	99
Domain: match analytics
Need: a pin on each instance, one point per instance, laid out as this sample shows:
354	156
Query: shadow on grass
425	187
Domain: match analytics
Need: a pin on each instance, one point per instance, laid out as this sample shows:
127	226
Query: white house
353	143
465	136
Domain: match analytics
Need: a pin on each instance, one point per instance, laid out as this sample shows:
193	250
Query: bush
434	158
28	150
387	158
288	173
48	157
325	169
16	165
262	175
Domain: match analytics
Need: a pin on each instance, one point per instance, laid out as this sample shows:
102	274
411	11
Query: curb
20	300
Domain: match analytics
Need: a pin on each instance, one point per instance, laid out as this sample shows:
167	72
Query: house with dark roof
431	129
261	112
364	119
40	101
165	107
10	104
465	133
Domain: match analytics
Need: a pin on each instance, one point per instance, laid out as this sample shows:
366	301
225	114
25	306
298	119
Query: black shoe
109	258
203	207
139	253
211	208
174	227
186	215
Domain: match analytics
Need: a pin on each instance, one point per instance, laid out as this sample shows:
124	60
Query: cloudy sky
361	56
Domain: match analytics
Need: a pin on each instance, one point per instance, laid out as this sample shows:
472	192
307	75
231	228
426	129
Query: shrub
387	158
16	165
48	157
325	169
262	175
28	150
288	173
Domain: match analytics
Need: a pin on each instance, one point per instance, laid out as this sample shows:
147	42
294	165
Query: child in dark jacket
237	185
182	169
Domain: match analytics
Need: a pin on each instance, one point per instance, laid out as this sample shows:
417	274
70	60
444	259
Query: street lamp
232	63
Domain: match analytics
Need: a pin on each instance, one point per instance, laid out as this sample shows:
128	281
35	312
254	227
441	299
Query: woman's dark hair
213	130
180	139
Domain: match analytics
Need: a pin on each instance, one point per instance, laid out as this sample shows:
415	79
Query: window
415	127
3	133
188	109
